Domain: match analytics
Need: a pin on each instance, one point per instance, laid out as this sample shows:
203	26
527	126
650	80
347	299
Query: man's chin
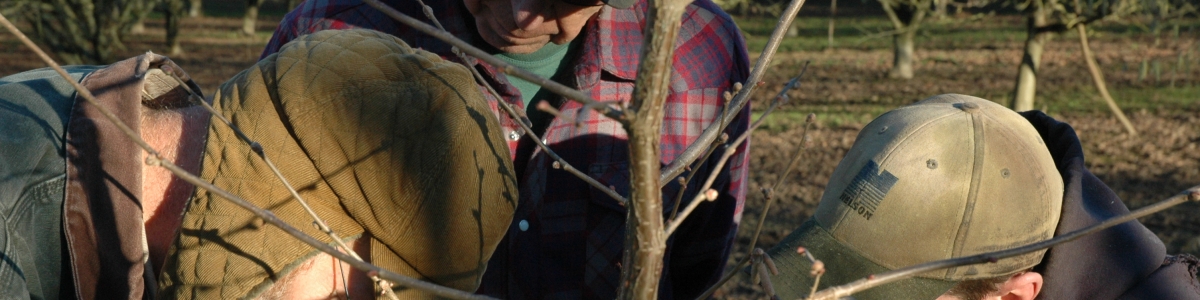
516	47
521	49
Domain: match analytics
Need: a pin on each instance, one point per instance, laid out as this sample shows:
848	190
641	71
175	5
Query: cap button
969	107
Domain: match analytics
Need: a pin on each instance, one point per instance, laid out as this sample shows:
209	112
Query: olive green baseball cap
950	176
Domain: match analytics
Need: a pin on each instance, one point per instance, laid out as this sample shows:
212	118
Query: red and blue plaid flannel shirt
566	238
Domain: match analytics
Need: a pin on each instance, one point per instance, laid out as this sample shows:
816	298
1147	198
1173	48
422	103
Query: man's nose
528	13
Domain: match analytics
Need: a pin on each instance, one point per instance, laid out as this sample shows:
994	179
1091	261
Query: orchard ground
1155	80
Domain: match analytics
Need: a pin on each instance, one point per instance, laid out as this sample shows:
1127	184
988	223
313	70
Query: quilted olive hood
379	138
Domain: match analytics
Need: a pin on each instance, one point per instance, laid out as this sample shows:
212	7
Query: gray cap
950	176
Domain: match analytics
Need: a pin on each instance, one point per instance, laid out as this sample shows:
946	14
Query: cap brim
842	266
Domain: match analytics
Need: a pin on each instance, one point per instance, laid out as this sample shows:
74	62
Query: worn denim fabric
34	109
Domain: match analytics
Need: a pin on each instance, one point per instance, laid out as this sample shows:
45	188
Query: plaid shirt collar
599	45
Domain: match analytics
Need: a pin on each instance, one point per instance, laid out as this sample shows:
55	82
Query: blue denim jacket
70	183
34	109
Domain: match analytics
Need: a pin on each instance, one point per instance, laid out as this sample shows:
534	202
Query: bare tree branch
155	159
682	181
1191	194
740	100
892	16
762	270
818	269
644	216
1097	76
705	189
768	194
1098	79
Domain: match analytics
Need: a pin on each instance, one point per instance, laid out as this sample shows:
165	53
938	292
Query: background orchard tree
90	31
172	10
1166	14
250	17
195	8
906	17
79	31
1046	18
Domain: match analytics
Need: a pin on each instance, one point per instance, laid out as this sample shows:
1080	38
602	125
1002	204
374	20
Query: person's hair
976	289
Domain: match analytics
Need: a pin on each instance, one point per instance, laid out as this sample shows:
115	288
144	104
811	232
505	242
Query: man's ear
1023	286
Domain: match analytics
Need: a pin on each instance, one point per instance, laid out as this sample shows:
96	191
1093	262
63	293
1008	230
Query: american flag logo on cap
867	190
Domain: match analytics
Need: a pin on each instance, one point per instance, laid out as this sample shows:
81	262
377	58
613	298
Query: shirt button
524	225
513	135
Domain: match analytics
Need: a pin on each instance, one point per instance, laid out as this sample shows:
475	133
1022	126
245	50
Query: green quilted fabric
379	138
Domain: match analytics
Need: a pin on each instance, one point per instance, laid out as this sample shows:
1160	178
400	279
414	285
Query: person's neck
179	136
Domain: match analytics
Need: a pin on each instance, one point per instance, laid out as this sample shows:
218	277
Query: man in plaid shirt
566	238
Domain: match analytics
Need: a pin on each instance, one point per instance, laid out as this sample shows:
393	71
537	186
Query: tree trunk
832	16
644	126
82	31
1026	90
940	8
194	10
251	16
140	14
291	4
174	11
902	59
906	18
145	7
794	30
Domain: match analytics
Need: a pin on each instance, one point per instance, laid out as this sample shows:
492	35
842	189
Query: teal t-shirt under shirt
546	62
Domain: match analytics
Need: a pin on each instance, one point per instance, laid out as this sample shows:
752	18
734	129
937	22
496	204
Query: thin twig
740	100
763	269
522	120
770	200
818	269
683	182
546	107
730	150
557	88
559	162
1191	194
155	159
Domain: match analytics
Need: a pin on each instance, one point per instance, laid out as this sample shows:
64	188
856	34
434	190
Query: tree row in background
91	31
1044	20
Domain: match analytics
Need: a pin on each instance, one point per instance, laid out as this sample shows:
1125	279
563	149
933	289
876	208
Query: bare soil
846	88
